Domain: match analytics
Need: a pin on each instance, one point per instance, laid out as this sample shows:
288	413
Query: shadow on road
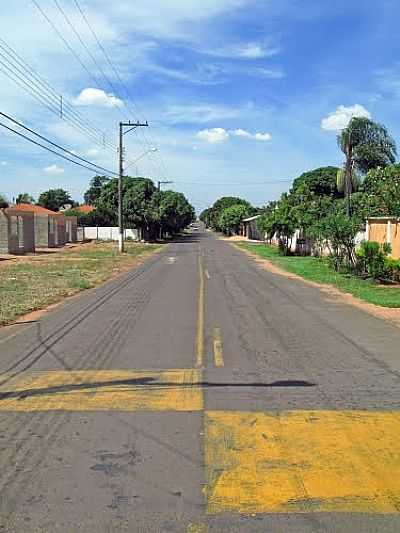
143	382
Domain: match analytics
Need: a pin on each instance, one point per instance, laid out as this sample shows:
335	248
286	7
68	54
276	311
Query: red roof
38	209
84	209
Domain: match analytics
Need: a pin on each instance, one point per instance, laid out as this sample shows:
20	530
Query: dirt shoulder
390	314
32	285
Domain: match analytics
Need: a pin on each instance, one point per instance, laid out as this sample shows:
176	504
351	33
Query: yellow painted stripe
99	390
303	461
197	528
218	357
200	317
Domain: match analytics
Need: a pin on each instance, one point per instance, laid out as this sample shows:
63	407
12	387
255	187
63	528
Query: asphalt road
200	393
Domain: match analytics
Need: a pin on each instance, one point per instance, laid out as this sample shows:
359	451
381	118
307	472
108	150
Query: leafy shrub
373	258
393	266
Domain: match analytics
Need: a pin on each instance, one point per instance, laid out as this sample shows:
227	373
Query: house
250	229
17	231
385	230
50	227
84	209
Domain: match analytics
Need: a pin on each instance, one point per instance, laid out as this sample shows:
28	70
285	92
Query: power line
86	48
23	75
228	184
72	51
11	119
51	150
123	85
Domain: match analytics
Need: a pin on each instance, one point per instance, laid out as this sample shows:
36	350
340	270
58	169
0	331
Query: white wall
108	233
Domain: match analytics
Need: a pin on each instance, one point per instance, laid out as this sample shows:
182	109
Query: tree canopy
231	218
24	198
212	216
54	199
367	144
95	187
3	202
144	207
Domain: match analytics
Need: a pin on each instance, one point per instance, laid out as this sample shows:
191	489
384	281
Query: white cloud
200	114
241	133
93	152
216	135
54	170
98	98
263	136
4	163
213	135
250	50
269	73
339	119
256	136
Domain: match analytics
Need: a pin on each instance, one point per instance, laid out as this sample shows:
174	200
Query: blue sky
237	92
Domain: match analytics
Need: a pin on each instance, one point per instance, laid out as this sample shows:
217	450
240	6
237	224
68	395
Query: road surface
200	393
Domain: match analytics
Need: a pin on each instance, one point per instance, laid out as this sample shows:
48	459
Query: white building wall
108	233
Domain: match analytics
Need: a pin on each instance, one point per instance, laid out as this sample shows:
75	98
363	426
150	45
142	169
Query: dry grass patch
38	281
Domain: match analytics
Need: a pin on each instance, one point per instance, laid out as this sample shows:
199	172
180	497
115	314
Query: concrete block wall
17	233
71	227
42	231
3	232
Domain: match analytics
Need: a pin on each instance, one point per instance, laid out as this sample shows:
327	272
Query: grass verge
34	282
319	271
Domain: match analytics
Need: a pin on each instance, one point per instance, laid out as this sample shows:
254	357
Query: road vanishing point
196	393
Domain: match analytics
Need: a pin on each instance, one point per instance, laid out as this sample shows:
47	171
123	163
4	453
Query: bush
373	259
393	267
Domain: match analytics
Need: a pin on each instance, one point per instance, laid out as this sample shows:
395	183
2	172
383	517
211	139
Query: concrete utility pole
131	126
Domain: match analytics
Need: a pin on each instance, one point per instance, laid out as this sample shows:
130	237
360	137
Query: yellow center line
200	317
218	357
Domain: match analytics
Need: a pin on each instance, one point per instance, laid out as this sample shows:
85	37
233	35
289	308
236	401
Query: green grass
32	283
318	270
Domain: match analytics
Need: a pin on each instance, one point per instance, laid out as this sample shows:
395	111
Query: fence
105	233
385	229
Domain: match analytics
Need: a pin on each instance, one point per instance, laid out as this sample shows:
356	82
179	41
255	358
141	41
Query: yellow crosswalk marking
303	461
99	390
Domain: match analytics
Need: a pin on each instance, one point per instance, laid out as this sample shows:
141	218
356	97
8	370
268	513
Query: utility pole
131	126
159	183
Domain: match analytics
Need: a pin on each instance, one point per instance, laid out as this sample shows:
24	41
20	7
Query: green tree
382	191
223	203
174	210
366	145
339	233
321	182
3	202
139	205
95	187
206	217
24	198
231	218
54	199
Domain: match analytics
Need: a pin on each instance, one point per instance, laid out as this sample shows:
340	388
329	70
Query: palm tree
366	145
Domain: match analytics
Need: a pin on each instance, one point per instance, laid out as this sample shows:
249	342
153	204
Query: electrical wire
11	119
86	48
27	79
51	150
123	85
